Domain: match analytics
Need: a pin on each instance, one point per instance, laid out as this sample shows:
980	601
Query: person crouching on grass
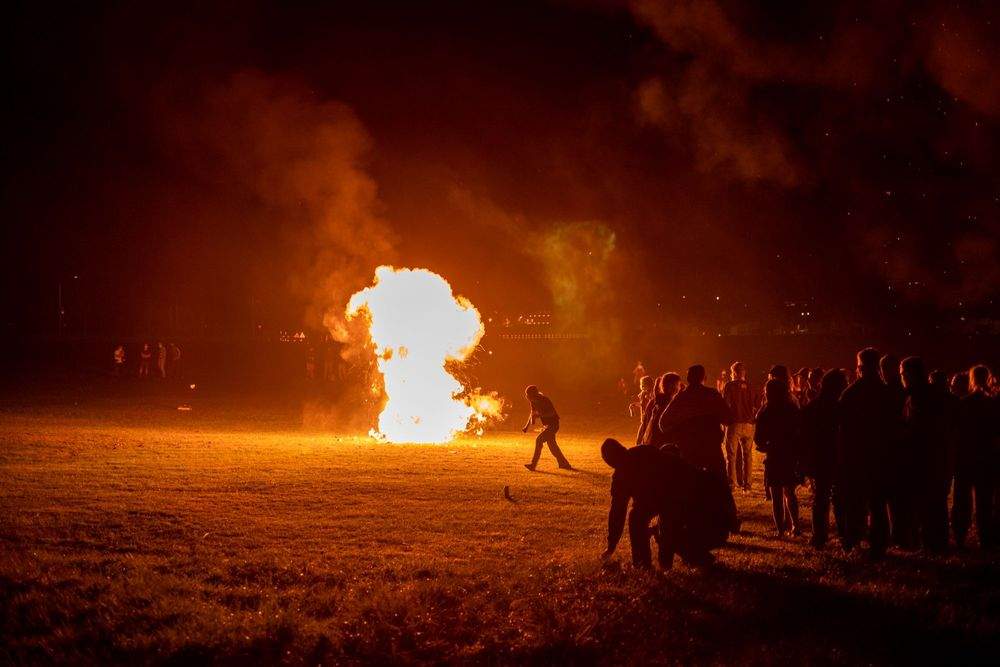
542	409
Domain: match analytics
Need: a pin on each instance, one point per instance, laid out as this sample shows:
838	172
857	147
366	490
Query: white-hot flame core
417	325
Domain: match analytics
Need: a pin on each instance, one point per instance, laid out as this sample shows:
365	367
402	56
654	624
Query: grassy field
131	532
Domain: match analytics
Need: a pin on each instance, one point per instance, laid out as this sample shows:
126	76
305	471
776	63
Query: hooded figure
695	509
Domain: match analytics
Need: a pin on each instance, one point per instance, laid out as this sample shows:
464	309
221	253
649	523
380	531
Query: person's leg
746	449
669	538
792	505
821	511
878	538
638	535
732	444
778	509
550	438
984	509
539	442
961	509
934	516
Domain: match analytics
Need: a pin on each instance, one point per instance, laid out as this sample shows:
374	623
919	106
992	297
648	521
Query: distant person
800	389
739	435
667	386
722	380
905	467
976	461
543	410
622	387
926	439
637	373
820	428
644	396
161	359
118	360
174	369
145	360
866	428
693	421
815	384
311	363
778	438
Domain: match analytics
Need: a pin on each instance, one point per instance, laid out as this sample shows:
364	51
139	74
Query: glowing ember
417	325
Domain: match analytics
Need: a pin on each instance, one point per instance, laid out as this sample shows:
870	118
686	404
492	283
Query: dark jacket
741	401
693	421
778	436
820	426
867	429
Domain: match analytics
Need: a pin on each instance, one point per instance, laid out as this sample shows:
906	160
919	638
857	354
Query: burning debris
418	327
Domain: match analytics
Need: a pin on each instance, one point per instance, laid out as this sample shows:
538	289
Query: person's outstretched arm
531	420
616	520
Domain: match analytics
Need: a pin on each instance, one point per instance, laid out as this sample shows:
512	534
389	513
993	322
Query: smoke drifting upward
299	163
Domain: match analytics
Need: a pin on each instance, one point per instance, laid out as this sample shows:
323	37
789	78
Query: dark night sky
603	157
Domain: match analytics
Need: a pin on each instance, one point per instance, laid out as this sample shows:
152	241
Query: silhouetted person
649	432
820	428
905	468
778	437
976	461
926	441
145	359
867	421
800	388
739	435
725	375
644	476
815	383
695	509
543	410
694	420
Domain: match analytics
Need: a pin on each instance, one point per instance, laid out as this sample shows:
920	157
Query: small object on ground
184	408
506	493
566	467
193	386
530	466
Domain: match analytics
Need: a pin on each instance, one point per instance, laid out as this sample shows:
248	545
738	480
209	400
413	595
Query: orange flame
417	325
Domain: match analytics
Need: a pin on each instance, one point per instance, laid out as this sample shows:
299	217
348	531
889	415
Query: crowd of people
160	359
882	445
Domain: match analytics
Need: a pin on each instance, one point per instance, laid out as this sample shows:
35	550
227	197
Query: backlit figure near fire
417	325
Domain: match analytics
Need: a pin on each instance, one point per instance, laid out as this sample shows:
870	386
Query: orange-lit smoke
417	326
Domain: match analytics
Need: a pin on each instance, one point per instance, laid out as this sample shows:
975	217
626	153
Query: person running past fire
739	435
778	437
543	410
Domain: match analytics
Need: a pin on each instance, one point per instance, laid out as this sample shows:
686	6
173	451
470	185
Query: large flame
417	325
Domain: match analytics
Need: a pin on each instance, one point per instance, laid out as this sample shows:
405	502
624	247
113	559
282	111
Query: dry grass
138	534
